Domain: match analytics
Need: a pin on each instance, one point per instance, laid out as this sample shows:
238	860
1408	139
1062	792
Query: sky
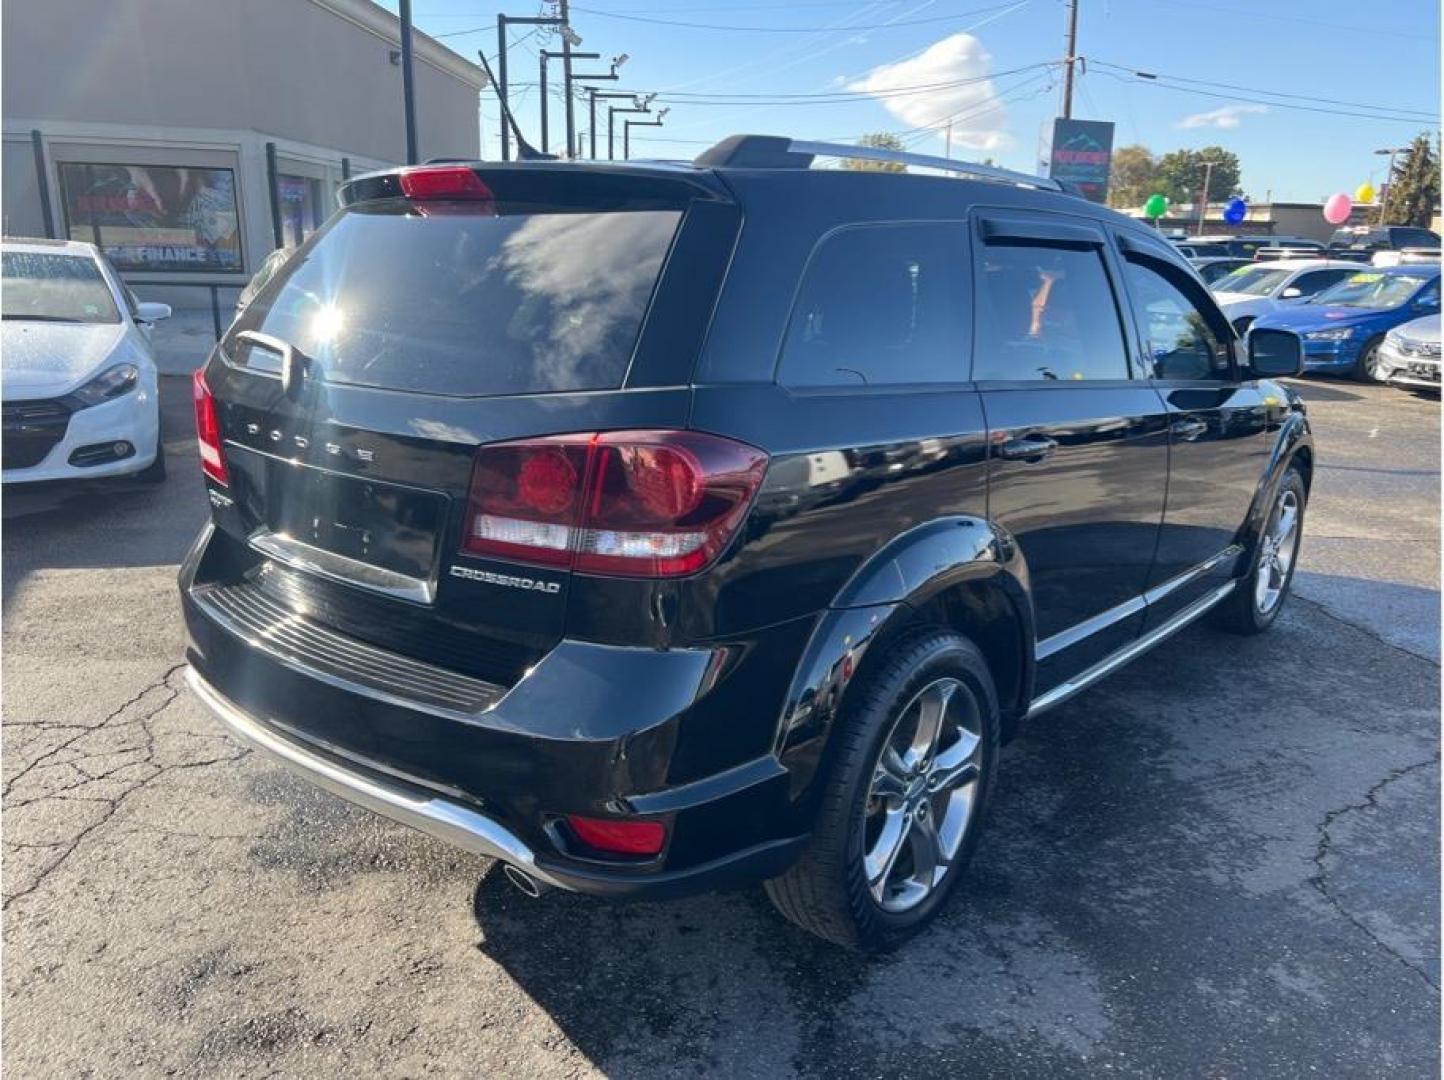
1303	91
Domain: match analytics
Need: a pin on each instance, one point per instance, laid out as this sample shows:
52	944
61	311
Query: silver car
1409	355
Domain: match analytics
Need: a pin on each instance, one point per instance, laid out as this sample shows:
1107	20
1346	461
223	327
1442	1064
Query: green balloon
1156	206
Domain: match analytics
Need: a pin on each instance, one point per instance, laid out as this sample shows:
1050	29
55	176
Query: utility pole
544	55
1203	200
408	89
949	151
1071	60
1388	181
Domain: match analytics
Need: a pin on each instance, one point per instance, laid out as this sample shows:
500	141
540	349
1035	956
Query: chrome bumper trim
450	822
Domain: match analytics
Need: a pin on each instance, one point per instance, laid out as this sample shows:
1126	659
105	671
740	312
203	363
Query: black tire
826	892
154	473
1364	366
1243	612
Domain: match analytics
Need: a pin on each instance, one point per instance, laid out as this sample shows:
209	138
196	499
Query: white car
1409	355
1265	287
78	381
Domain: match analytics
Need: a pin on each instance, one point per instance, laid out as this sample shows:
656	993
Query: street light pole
502	22
1388	182
1203	201
592	95
612	112
628	125
544	55
408	87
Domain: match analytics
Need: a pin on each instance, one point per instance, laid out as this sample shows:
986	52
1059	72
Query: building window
300	208
154	217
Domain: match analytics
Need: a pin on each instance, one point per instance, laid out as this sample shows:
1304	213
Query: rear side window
1046	313
469	300
881	305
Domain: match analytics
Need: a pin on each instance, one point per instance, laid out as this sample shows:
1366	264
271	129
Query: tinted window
56	288
1406	237
1177	336
466	299
1317	280
1046	313
881	305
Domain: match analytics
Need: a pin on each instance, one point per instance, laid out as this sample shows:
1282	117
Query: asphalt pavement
1224	861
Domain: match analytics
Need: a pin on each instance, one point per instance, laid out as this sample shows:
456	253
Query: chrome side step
1082	681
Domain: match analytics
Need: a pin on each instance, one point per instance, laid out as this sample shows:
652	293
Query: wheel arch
961	573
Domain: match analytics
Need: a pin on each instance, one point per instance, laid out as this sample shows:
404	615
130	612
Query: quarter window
1179	340
881	305
1046	313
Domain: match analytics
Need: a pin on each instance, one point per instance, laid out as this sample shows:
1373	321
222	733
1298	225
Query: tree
1131	179
1180	174
1414	186
883	140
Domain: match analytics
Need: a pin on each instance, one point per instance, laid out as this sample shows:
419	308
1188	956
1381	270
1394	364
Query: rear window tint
881	305
461	300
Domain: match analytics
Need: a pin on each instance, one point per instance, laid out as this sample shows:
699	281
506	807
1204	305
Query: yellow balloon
1365	193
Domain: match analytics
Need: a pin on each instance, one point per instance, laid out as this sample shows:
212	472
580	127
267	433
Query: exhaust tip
522	880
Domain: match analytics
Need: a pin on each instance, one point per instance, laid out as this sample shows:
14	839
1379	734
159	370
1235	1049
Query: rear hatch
443	309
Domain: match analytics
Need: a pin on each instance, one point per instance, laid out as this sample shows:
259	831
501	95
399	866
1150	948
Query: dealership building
190	138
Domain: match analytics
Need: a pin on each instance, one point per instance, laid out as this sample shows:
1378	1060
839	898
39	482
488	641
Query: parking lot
1222	861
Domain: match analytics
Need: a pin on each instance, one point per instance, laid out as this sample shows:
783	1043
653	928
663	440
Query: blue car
1344	325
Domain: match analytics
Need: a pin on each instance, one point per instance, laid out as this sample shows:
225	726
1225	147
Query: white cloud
1230	116
951	60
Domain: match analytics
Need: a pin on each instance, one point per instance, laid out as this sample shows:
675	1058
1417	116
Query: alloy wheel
1277	549
920	801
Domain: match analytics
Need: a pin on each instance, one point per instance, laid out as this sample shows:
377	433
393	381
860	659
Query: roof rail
780	152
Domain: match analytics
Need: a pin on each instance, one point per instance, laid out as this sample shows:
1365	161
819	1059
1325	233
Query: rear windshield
468	300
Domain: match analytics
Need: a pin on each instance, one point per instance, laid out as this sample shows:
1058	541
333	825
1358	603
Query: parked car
1344	326
1200	249
557	515
1405	257
1409	355
1361	241
1245	247
1260	288
79	377
1213	268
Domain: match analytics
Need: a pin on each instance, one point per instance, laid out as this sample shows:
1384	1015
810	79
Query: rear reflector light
208	431
443	182
618	837
628	503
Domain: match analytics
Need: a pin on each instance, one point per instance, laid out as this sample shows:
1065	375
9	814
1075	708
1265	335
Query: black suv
656	527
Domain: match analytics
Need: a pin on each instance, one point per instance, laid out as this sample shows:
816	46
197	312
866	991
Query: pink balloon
1338	208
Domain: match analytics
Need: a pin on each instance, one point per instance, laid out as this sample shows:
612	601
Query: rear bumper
470	830
682	736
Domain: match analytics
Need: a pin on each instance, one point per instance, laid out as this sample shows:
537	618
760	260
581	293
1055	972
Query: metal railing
217	322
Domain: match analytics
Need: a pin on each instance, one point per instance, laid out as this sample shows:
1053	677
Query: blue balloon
1235	211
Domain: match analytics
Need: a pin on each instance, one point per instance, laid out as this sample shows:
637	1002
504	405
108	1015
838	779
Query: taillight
208	431
443	182
618	837
628	503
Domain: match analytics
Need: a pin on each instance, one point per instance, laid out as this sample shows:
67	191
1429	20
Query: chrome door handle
1188	429
1029	448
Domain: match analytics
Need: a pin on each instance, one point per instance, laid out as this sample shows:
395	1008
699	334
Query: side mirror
1293	292
148	311
1272	353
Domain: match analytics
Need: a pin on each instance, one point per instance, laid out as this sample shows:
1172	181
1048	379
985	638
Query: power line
836	97
1149	75
1149	79
788	29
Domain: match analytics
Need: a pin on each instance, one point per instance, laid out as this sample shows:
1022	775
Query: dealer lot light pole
628	125
612	113
593	96
548	54
569	40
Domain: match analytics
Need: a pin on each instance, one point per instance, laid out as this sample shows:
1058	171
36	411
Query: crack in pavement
1320	880
1319	606
111	804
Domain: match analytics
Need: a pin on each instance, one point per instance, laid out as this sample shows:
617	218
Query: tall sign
1082	155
